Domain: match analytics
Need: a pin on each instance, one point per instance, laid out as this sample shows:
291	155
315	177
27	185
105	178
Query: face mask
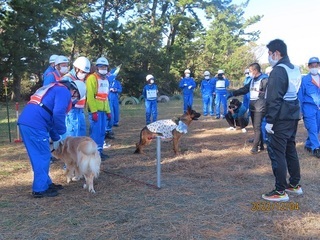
74	100
103	71
206	77
64	70
187	75
247	74
314	71
81	76
251	75
151	81
271	61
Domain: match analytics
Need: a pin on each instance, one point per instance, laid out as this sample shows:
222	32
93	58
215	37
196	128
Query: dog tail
90	163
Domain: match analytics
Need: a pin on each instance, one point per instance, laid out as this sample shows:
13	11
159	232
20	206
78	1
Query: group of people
56	110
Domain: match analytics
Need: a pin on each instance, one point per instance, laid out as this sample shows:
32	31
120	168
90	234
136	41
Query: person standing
51	65
43	118
187	84
115	90
221	86
61	65
309	96
282	116
75	120
207	90
257	89
98	103
150	92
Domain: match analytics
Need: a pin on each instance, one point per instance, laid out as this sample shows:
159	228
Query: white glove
269	127
190	87
56	144
185	84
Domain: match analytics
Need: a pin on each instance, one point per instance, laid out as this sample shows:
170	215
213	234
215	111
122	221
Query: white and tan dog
81	157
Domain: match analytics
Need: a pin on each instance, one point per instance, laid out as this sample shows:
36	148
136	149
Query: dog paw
92	190
84	186
68	180
75	179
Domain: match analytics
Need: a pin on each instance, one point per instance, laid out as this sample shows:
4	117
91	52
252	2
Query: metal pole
158	162
5	82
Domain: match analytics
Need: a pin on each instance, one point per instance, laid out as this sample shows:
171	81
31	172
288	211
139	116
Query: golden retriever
81	157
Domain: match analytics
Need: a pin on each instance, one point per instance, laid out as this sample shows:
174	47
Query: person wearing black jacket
257	88
282	116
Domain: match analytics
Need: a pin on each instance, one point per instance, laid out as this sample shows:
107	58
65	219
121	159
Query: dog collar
182	127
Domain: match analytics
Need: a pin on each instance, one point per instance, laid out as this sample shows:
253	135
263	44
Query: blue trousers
311	120
76	123
38	149
151	110
207	103
115	114
98	129
187	102
221	99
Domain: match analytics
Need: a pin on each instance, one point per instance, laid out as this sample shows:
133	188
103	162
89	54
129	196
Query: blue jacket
207	87
51	77
48	70
239	112
116	85
147	88
185	83
57	100
309	92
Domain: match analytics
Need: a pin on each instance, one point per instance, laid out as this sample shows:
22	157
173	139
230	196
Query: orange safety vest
82	102
56	77
102	88
37	97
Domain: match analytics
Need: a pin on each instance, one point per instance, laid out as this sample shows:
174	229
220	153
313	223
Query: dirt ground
211	191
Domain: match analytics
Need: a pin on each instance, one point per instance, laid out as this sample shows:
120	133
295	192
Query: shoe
262	148
109	135
243	130
116	125
223	117
316	152
103	156
106	145
276	196
294	189
217	117
308	149
231	129
251	140
48	193
205	114
254	151
55	186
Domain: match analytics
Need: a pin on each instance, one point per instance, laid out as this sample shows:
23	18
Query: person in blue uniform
43	118
187	84
149	93
61	65
115	91
51	66
221	86
309	96
207	90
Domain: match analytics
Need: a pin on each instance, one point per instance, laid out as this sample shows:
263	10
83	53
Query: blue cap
313	60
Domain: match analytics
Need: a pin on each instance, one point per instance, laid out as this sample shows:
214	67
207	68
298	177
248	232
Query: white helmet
61	59
187	71
80	86
206	73
149	76
220	71
246	71
83	64
102	61
52	58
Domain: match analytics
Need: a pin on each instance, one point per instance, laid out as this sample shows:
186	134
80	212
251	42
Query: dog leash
131	179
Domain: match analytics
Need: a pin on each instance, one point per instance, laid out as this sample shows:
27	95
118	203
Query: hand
112	90
109	115
269	127
190	87
185	84
56	144
95	116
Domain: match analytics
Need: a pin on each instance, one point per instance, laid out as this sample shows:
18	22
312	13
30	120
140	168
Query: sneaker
48	193
217	117
294	189
231	129
103	156
243	130
276	196
316	152
106	145
55	186
109	135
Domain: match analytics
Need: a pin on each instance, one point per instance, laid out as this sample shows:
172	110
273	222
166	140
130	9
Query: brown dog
167	129
81	157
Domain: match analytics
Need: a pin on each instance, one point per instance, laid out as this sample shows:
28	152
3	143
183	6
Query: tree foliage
161	37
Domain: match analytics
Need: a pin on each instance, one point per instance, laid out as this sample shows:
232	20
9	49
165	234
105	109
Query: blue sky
296	22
